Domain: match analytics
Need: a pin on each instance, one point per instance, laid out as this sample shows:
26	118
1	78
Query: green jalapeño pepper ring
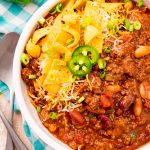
89	51
80	65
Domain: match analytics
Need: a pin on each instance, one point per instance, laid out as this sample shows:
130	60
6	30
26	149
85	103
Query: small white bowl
28	111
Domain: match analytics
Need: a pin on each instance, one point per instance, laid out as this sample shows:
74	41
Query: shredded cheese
90	86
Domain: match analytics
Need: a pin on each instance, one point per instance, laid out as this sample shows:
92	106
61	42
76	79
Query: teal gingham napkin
13	18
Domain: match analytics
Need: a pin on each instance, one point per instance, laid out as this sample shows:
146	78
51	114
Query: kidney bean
77	117
105	120
137	107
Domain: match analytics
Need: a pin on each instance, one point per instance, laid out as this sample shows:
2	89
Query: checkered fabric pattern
13	18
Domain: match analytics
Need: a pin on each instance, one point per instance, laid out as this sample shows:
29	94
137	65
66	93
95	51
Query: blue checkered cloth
13	18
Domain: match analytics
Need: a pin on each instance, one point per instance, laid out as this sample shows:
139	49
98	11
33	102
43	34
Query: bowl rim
26	33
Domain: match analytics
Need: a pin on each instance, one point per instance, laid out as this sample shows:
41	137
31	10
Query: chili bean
105	119
142	51
138	107
145	90
77	117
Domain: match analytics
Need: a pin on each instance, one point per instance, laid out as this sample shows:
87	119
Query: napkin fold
13	18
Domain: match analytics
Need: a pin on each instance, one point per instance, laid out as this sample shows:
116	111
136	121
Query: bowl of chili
107	106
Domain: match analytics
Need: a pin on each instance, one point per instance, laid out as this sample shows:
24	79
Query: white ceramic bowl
28	111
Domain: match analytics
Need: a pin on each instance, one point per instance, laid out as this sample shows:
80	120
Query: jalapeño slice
89	51
80	65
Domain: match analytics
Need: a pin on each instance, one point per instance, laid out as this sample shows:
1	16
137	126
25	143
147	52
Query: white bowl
28	111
